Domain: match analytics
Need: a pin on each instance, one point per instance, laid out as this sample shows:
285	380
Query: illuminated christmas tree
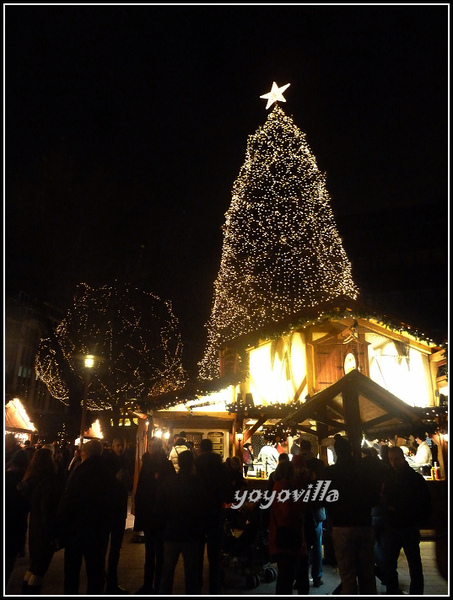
281	249
134	338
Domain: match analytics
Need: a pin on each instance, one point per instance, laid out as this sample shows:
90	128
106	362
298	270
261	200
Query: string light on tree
281	249
136	335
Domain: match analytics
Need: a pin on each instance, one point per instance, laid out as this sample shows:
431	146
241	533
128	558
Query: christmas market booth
338	370
18	422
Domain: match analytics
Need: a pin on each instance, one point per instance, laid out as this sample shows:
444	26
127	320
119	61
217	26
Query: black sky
126	127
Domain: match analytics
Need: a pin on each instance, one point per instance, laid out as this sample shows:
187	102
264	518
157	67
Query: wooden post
352	422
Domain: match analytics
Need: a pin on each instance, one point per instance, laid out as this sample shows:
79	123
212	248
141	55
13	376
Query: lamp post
88	364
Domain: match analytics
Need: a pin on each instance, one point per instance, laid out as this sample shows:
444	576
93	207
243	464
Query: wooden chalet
341	368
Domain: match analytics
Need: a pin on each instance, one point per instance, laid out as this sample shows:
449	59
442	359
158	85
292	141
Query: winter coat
89	505
405	495
357	493
42	493
180	446
286	523
181	506
156	469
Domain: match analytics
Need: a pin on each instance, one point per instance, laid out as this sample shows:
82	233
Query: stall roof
16	418
354	404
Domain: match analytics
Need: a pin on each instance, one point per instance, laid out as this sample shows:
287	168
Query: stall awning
16	418
354	404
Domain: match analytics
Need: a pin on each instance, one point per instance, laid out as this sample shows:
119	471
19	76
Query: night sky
126	127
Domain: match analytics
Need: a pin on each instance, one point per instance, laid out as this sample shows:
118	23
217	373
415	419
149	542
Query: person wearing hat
247	457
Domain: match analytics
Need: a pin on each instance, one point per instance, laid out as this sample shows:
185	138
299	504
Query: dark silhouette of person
247	457
218	492
156	469
42	487
85	515
406	496
181	508
118	464
11	447
16	512
287	543
377	472
180	444
234	472
317	466
352	531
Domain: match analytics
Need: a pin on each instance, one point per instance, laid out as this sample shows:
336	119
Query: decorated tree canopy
135	342
281	249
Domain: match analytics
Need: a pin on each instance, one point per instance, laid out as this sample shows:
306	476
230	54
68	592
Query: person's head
10	442
42	462
20	460
248	446
285	470
119	446
282	456
206	445
305	446
420	437
183	434
298	462
155	445
396	458
235	463
91	448
369	453
342	447
50	447
185	461
384	452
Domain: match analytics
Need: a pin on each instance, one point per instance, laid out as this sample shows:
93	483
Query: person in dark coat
317	466
287	540
119	466
218	492
352	531
16	512
247	457
181	507
85	515
406	497
156	469
11	447
42	489
378	471
234	472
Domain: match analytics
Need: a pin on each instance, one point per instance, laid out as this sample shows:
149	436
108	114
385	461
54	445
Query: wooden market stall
18	422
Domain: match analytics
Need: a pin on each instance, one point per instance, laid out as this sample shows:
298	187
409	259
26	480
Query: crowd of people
77	502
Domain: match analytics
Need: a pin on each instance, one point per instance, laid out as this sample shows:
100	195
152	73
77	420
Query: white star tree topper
275	95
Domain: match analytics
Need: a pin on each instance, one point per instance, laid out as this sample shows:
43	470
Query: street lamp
88	364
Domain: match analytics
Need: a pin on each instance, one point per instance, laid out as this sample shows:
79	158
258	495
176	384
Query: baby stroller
245	546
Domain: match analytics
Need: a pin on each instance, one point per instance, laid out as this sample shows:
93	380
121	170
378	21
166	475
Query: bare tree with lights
135	342
281	249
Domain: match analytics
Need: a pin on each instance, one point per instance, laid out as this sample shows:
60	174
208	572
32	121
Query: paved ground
235	583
